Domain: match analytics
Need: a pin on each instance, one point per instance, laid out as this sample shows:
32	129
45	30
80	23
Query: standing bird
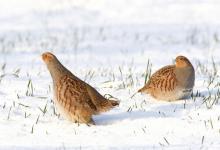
76	100
171	82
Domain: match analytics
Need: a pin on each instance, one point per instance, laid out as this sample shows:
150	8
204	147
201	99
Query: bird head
48	57
55	68
182	61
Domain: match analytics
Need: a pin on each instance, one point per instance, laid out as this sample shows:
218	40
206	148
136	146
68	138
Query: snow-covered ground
109	44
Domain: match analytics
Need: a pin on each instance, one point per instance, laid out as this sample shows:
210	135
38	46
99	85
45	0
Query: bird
75	99
172	82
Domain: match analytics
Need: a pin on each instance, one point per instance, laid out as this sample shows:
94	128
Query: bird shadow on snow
154	109
1	93
158	111
206	92
121	116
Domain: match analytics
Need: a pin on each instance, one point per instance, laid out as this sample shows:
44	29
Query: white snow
108	44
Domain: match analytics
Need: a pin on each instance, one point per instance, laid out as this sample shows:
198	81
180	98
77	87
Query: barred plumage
171	82
75	99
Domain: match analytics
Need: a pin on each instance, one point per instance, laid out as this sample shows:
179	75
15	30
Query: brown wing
95	96
163	79
72	94
101	103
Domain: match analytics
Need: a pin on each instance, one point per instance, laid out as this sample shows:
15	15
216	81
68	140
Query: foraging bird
171	82
76	100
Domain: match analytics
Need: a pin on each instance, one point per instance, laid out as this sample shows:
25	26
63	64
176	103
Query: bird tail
144	90
140	90
102	104
106	105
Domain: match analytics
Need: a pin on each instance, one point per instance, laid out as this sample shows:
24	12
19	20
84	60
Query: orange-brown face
182	61
47	57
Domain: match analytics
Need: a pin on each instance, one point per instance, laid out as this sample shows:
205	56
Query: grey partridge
171	82
76	100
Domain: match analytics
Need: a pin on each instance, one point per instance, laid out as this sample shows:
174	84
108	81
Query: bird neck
57	70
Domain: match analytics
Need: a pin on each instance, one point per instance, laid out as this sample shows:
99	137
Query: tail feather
114	103
102	104
106	105
144	90
140	90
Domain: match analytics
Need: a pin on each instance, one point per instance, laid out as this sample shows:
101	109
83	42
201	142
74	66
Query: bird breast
185	77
